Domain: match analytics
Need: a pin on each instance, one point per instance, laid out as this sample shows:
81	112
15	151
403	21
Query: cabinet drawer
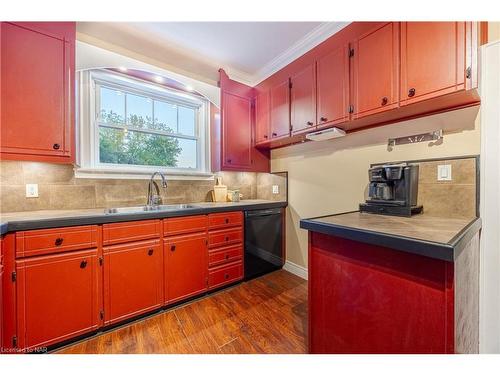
187	224
225	275
225	237
225	255
45	241
130	231
225	220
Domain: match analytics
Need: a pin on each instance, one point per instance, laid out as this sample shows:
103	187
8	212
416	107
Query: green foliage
119	146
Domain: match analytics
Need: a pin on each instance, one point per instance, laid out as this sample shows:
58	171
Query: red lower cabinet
133	279
57	297
227	274
186	266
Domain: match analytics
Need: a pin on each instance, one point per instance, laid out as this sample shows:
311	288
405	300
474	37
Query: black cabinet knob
227	238
229	161
227	221
309	123
59	241
411	92
172	248
226	276
385	100
265	136
274	134
323	119
227	256
83	264
56	146
150	252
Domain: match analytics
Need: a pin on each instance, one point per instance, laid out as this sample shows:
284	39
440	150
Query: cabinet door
237	130
57	297
37	84
375	70
432	59
303	99
186	266
1	306
262	117
333	87
280	110
133	279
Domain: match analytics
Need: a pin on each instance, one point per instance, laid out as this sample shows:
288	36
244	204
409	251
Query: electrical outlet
31	190
444	172
276	189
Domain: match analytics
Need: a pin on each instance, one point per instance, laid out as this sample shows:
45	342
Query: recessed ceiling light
122	69
189	88
158	79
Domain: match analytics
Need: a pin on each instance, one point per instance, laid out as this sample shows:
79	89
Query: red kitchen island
382	284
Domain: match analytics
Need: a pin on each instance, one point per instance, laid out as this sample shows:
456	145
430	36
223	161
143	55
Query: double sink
161	207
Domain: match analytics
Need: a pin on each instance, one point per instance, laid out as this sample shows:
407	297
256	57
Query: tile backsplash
59	189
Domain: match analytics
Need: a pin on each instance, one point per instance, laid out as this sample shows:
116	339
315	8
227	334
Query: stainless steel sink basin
163	207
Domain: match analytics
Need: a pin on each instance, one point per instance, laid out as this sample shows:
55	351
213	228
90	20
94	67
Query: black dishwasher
263	242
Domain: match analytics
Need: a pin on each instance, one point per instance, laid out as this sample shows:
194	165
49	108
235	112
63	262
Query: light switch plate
31	190
276	189
444	172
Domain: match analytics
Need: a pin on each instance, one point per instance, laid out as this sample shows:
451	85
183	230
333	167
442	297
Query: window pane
165	117
119	146
112	109
187	156
186	120
139	111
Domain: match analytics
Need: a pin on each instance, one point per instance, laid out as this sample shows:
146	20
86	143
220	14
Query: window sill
124	174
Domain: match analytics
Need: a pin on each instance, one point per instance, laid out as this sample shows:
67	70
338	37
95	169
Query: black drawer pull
310	123
59	241
150	252
56	146
385	100
227	238
227	220
323	119
83	264
274	134
226	276
227	256
265	136
172	248
411	92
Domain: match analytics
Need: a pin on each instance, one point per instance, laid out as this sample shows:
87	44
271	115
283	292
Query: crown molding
303	45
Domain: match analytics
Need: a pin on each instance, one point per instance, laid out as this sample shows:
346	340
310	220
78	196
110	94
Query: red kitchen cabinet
37	85
432	59
303	99
237	128
280	110
1	292
57	297
333	87
375	61
232	138
133	279
262	117
186	266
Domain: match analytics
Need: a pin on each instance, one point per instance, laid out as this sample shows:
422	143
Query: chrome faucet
155	199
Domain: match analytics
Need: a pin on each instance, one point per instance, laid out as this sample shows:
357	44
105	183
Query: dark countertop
16	221
435	237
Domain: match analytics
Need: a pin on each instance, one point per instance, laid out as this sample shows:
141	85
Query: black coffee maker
393	190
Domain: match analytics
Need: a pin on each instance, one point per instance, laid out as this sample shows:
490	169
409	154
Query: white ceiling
248	51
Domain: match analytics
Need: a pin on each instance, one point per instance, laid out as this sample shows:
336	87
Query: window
135	127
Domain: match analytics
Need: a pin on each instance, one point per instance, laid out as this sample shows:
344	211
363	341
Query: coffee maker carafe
393	190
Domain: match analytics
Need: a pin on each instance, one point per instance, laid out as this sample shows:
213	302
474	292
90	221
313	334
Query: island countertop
27	220
435	237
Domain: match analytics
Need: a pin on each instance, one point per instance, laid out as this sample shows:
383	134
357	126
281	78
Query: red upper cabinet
186	266
280	110
133	279
237	129
233	145
37	84
333	87
303	99
432	59
57	297
375	62
262	117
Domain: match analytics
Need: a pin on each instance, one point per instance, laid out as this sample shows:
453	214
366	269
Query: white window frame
88	163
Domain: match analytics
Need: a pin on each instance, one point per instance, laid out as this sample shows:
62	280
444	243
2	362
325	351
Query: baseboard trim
295	269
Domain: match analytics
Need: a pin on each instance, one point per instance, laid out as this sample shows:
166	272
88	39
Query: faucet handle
155	200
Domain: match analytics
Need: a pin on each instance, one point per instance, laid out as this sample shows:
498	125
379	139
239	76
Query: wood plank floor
265	315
